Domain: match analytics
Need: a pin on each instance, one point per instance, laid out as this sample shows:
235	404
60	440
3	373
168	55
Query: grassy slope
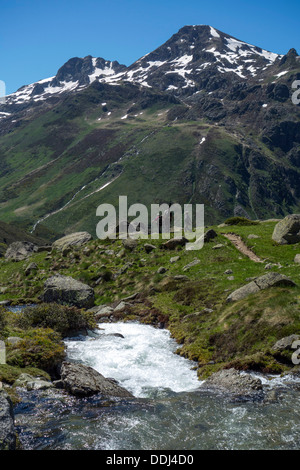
80	143
208	329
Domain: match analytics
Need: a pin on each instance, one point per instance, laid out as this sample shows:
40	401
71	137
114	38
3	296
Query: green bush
41	348
240	221
60	318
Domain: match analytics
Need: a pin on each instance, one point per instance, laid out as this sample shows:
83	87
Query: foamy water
142	361
172	411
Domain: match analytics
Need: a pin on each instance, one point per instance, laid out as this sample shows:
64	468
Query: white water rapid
142	361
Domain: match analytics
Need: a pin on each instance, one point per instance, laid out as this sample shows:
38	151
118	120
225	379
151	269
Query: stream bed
172	409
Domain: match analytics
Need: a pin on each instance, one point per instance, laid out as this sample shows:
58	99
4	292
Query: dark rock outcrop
83	381
173	243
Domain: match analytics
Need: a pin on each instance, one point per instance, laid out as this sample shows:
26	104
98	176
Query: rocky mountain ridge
179	66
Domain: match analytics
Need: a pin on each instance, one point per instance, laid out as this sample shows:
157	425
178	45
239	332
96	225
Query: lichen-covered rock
244	291
18	251
83	381
73	239
287	231
271	279
68	291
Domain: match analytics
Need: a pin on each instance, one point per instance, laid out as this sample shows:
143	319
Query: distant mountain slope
205	118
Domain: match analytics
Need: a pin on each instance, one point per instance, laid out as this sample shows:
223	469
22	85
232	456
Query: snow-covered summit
182	65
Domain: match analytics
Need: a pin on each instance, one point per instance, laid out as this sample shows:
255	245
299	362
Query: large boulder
235	383
84	381
7	428
271	279
173	243
209	235
18	251
285	343
68	291
73	239
287	231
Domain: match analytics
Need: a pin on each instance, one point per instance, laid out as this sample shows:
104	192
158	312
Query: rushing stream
171	411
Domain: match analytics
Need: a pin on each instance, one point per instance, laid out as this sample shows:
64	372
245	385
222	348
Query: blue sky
39	36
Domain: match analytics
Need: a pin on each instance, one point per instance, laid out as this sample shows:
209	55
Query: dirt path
242	247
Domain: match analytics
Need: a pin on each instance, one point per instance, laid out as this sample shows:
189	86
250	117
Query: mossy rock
41	348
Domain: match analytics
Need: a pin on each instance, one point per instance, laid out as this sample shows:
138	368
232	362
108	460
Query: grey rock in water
18	251
73	239
66	290
7	427
235	383
83	381
287	231
32	383
271	279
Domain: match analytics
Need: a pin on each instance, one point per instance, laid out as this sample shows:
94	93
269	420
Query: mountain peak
193	57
